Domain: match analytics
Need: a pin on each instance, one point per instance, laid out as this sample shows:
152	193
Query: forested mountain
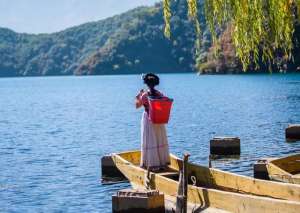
132	42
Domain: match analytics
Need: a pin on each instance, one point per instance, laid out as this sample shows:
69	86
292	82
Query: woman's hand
138	102
140	93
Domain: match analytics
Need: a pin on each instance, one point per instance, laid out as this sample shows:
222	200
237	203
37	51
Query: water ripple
52	136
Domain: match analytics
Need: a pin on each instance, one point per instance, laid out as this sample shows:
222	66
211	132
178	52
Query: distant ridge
132	42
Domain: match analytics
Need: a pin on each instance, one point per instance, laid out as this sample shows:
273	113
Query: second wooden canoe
286	169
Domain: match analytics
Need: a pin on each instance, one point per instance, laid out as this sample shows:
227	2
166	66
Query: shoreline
163	73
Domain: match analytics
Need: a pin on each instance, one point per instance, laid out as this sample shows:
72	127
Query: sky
46	16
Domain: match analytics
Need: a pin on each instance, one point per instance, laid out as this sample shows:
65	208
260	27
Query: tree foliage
260	28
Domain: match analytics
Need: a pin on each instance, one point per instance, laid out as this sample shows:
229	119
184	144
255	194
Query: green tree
260	28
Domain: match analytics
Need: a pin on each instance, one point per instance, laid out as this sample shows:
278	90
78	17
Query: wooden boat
286	169
213	188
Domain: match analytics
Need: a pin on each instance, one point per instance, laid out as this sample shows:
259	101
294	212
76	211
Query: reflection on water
293	82
293	98
54	130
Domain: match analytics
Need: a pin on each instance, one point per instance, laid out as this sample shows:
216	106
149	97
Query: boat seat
169	174
297	175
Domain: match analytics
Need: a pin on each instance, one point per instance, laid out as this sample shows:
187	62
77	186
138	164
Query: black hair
151	80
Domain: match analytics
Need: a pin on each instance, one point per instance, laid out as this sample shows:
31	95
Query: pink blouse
144	98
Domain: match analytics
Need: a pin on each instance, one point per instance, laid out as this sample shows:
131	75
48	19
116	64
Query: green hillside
132	42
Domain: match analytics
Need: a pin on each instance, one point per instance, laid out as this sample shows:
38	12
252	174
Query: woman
154	142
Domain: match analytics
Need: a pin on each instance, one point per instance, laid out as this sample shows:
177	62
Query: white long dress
154	144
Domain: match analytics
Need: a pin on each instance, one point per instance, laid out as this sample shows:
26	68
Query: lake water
54	130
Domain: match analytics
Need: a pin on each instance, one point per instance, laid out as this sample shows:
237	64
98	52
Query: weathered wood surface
170	207
181	203
225	146
214	178
260	170
136	201
286	169
204	193
110	173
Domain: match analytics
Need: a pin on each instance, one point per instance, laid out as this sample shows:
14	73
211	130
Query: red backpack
159	109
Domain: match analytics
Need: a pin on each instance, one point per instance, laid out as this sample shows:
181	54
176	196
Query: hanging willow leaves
260	28
167	17
193	14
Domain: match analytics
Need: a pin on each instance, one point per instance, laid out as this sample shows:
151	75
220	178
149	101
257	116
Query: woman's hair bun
151	79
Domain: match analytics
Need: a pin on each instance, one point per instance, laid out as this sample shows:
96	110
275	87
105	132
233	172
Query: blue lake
54	130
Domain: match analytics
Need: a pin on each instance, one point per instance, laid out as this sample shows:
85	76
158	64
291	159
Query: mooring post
292	132
224	145
179	199
148	179
181	202
260	170
185	183
131	200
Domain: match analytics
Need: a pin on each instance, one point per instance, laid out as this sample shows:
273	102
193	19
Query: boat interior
172	171
211	178
290	164
197	175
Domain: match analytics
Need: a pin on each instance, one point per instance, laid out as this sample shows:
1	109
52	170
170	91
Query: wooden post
185	183
225	146
292	132
260	170
130	200
148	179
179	199
181	202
